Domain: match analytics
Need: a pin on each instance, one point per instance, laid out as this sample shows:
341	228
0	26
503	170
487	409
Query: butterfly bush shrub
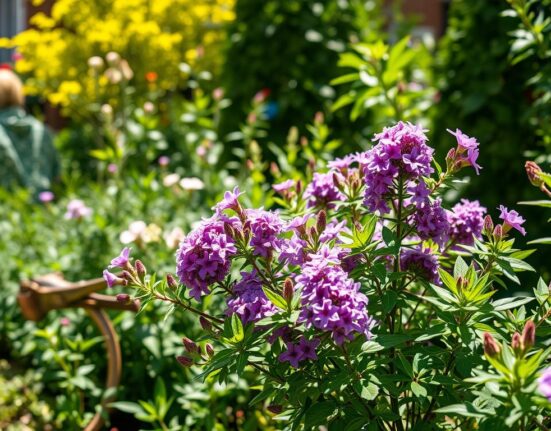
363	303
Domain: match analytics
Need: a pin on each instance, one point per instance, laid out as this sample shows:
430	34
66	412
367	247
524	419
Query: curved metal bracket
38	296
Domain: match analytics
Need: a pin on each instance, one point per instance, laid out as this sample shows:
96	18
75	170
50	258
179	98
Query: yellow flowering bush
154	36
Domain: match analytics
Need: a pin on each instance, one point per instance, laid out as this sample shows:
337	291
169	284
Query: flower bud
171	282
185	361
123	297
274	169
126	275
275	409
529	335
140	268
288	290
462	283
533	172
190	346
488	226
299	187
498	232
209	350
303	141
491	347
322	221
516	343
319	118
205	323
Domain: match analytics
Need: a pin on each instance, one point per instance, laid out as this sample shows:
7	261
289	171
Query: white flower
192	183
170	180
135	230
174	237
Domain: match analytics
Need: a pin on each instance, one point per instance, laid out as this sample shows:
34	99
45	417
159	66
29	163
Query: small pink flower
46	196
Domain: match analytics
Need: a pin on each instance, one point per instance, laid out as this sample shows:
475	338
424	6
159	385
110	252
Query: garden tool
51	292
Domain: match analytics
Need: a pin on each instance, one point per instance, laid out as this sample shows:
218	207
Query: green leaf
418	390
127	407
275	298
389	300
467	410
319	413
237	327
508	303
546	240
369	391
460	268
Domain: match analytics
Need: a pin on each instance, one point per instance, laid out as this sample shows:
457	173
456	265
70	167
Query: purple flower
466	221
401	150
121	261
265	227
431	222
344	163
470	145
46	196
421	262
112	168
511	219
112	280
331	300
292	250
249	301
164	161
333	229
230	201
77	209
322	191
298	224
284	186
204	257
292	355
463	140
308	348
544	383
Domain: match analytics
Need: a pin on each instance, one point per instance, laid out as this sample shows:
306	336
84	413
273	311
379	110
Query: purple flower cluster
420	262
401	150
432	222
322	191
203	257
265	226
511	219
304	350
466	221
331	300
249	301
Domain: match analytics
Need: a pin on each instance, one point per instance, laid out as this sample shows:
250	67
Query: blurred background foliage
204	95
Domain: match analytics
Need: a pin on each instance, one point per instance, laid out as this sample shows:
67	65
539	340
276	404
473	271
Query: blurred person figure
28	157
